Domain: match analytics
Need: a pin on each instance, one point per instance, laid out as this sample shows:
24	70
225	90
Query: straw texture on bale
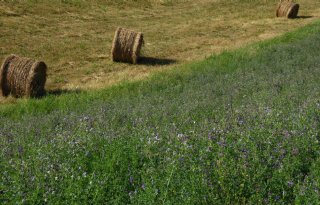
126	46
21	77
287	8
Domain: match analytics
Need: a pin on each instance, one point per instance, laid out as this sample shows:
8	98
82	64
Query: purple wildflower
131	180
290	183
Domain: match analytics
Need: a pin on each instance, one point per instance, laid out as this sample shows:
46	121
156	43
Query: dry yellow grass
75	39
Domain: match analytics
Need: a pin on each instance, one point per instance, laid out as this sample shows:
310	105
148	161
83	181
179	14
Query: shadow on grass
40	95
304	17
58	92
150	61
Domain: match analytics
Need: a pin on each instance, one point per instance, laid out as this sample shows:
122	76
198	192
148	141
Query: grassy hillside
74	36
241	127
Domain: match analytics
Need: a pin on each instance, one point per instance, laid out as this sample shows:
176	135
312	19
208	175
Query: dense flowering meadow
239	128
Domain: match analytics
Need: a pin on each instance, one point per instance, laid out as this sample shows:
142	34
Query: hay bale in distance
126	46
286	8
21	77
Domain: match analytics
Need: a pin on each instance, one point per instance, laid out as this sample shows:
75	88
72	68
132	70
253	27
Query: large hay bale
126	46
22	77
286	8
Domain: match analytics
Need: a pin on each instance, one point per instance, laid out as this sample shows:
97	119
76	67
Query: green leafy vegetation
241	127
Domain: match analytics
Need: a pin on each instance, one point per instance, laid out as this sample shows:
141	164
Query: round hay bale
21	76
287	9
126	46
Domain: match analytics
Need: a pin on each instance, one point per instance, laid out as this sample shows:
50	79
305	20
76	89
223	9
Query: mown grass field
74	36
241	127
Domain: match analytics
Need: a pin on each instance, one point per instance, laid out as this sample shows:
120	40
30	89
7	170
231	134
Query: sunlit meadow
241	127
